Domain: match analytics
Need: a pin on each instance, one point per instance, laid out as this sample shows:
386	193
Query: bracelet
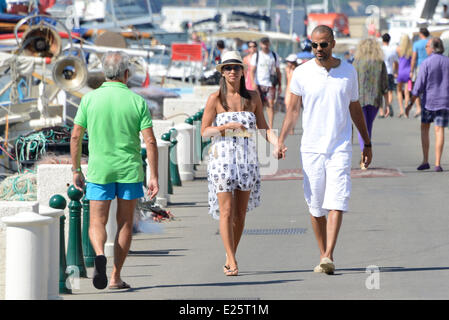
76	170
368	145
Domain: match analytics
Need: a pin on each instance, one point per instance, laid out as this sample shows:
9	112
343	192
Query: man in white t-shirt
327	89
264	67
391	60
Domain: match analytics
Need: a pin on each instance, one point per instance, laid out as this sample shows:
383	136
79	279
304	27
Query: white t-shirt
390	56
326	120
265	67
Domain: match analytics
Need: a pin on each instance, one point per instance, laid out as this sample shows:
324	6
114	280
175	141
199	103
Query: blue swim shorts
126	191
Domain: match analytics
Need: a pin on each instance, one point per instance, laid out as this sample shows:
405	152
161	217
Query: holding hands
280	151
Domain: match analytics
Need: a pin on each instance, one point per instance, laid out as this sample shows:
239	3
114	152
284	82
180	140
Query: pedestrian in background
252	49
306	53
391	62
403	80
195	38
418	56
219	51
266	76
114	116
432	85
372	83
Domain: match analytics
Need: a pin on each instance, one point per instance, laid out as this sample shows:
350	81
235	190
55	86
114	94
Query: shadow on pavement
339	271
156	253
216	284
212	284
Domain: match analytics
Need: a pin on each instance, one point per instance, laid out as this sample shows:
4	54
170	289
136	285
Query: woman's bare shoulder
214	96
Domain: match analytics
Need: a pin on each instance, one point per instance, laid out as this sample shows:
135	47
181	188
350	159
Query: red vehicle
337	21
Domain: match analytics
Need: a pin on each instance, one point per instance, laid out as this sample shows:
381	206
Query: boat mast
292	7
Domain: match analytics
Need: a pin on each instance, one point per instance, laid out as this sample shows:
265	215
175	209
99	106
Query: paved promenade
398	222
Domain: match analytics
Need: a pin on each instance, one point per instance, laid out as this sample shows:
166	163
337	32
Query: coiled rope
19	187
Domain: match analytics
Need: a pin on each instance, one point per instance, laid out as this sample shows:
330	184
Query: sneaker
424	166
438	169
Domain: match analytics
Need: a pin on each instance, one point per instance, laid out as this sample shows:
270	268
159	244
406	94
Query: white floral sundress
233	162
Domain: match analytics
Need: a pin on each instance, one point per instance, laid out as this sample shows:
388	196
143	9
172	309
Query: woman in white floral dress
231	117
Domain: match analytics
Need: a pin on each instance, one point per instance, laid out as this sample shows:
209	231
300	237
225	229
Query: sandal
226	268
100	279
391	112
327	265
318	269
362	165
232	272
122	285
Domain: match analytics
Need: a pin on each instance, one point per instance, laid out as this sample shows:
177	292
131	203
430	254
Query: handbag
274	79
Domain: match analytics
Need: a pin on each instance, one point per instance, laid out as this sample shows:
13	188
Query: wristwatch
76	170
368	145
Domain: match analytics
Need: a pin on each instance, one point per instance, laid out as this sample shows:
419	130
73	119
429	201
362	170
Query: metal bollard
75	249
166	137
59	202
197	137
26	256
174	170
89	253
195	152
54	252
184	150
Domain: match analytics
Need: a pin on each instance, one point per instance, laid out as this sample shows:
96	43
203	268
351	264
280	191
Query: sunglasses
322	45
230	68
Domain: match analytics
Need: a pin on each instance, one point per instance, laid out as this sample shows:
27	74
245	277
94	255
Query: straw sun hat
231	57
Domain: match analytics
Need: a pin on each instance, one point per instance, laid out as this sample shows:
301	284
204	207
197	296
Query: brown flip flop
122	285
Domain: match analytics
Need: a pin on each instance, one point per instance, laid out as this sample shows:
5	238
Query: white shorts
327	181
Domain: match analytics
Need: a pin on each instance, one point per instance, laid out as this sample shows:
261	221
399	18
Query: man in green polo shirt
113	116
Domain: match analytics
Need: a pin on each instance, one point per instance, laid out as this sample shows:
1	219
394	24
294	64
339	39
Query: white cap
292	58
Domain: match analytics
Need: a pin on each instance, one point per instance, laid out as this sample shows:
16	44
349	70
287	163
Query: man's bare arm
152	156
291	117
75	152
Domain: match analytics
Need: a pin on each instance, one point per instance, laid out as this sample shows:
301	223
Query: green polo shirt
113	116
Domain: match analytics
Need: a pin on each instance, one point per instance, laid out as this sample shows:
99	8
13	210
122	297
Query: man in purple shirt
432	86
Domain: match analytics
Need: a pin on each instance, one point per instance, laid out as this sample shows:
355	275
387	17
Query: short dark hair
324	29
220	44
437	45
265	40
253	42
424	32
386	38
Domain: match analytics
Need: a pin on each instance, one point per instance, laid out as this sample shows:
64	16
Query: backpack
273	77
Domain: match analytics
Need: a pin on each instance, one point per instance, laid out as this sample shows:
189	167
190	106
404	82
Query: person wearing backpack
266	76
